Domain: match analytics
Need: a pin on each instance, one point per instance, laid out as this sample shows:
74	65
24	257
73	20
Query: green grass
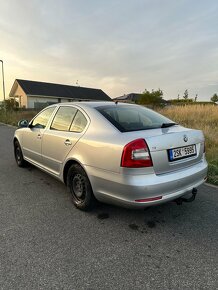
213	172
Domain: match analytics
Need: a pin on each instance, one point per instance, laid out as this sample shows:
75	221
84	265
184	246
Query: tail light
136	154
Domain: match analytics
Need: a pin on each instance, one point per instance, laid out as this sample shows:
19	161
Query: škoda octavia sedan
117	153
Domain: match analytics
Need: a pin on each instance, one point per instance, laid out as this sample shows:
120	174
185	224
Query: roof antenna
77	83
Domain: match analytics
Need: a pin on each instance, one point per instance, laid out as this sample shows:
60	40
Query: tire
19	155
80	188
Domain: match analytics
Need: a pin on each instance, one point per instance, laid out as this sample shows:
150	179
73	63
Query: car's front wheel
19	155
80	188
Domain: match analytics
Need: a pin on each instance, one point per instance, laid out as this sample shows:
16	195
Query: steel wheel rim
78	186
18	154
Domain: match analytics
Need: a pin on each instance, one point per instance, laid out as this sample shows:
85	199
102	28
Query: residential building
34	94
129	98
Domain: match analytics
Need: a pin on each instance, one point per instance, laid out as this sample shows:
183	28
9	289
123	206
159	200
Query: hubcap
79	186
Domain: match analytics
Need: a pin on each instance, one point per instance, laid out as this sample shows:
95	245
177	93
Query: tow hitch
180	200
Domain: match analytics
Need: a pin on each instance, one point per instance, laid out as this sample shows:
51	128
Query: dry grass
205	118
12	117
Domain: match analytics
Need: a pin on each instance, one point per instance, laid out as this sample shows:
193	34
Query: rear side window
127	118
63	119
79	123
42	119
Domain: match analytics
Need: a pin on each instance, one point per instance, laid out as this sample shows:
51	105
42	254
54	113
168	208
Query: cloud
117	45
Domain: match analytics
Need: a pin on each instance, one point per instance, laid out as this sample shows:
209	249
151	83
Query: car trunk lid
161	141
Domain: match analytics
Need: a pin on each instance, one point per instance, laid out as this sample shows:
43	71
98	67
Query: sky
119	46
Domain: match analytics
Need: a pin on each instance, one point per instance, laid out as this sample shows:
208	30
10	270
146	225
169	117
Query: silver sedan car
116	153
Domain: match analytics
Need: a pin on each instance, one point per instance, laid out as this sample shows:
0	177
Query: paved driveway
45	243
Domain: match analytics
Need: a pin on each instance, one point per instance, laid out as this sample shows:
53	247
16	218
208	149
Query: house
134	98
129	98
33	94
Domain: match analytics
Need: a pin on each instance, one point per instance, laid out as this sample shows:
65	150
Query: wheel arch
15	139
67	166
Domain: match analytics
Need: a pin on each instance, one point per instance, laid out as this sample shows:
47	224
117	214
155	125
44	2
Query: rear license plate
182	152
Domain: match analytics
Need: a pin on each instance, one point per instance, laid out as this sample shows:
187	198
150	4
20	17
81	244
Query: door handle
67	142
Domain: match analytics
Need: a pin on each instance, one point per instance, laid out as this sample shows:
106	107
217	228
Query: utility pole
3	79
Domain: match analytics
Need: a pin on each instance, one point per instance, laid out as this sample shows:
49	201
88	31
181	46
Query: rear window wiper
165	125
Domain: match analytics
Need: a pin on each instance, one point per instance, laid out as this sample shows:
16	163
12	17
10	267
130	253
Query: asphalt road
46	243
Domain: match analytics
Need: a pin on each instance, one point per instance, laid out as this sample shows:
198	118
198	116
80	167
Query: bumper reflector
149	199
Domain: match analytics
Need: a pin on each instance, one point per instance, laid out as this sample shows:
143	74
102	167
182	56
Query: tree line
155	98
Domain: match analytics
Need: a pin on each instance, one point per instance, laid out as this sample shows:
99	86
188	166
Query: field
203	117
12	117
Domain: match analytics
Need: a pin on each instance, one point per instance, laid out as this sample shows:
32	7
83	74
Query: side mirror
23	124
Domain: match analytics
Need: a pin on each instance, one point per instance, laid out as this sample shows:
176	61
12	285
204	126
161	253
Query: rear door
66	129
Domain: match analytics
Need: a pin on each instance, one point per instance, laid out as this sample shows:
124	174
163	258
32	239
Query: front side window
42	119
63	119
79	123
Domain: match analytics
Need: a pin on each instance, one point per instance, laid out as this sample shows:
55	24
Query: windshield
128	118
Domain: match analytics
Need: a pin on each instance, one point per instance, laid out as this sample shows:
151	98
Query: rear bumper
124	190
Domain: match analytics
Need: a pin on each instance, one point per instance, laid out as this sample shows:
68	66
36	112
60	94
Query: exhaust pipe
180	200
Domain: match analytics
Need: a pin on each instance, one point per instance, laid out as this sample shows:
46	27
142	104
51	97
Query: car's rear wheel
80	188
19	155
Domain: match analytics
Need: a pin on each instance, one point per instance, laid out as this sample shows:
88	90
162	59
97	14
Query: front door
32	136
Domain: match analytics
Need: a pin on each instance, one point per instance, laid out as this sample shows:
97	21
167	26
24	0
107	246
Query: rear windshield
128	118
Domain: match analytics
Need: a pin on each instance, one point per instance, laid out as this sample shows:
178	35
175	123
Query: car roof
92	104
